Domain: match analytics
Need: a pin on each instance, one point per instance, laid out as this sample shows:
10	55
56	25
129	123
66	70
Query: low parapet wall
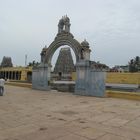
128	78
122	78
123	95
28	85
109	93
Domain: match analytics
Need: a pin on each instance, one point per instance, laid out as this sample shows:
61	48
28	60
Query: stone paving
27	114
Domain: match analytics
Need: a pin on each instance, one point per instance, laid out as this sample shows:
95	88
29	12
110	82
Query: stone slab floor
27	114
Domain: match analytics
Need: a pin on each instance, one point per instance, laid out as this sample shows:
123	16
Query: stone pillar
49	74
19	75
40	77
82	71
8	75
90	82
87	54
15	75
23	75
4	75
11	75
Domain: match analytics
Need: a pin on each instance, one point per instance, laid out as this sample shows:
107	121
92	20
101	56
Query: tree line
134	64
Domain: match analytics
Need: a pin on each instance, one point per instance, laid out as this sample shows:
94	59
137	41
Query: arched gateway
64	37
61	40
41	74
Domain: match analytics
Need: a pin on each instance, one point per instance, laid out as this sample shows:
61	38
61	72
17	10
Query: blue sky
112	28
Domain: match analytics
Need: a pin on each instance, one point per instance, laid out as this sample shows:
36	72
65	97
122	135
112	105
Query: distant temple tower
64	64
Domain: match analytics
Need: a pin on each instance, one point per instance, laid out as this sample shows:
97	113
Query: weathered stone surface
27	114
90	82
40	77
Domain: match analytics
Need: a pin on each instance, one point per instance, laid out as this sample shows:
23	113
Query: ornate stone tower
64	63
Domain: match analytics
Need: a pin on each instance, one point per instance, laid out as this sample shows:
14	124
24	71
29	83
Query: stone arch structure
66	39
87	75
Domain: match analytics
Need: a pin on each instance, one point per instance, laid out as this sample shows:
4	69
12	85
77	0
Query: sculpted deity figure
67	24
64	25
82	53
60	25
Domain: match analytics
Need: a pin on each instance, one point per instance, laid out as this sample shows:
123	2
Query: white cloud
111	27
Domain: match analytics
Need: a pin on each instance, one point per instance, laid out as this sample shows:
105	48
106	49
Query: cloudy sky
112	28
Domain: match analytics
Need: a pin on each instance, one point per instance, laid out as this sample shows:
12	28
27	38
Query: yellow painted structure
123	95
73	76
27	85
115	77
129	78
16	73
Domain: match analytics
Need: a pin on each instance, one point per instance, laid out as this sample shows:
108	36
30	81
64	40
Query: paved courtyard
27	114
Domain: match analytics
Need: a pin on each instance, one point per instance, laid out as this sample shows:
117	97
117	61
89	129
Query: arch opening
75	46
63	63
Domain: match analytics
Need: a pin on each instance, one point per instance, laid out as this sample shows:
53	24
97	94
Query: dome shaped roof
85	43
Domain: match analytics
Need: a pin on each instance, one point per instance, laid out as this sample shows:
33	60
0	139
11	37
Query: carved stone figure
64	25
67	24
43	53
60	25
82	53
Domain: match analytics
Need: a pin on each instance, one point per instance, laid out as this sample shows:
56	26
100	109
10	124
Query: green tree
33	63
134	64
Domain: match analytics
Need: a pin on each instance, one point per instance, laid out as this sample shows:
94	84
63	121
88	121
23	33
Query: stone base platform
63	86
